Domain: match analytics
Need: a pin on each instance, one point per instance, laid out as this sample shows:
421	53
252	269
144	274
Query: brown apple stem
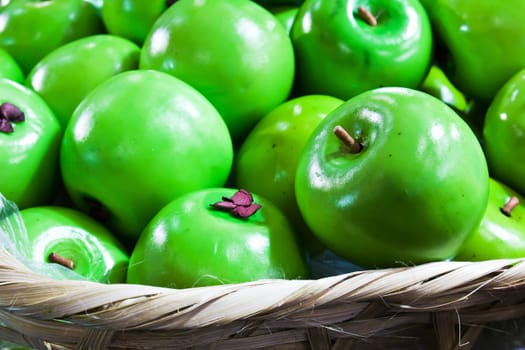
510	205
59	259
367	16
347	140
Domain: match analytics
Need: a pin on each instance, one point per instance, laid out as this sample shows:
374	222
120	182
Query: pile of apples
197	142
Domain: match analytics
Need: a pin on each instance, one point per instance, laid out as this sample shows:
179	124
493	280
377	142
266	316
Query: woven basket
442	305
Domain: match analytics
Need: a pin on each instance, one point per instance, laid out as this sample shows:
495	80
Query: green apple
9	68
30	137
236	53
73	239
193	241
31	28
504	133
67	74
266	161
392	176
132	19
481	42
501	233
343	48
138	140
285	14
438	85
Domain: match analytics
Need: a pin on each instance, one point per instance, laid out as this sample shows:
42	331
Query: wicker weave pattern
438	305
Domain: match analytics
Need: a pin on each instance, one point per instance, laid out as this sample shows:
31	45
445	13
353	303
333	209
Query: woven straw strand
441	300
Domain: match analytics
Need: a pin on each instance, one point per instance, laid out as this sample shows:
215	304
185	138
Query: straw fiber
441	305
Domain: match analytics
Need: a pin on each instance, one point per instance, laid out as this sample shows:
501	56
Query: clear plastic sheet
14	239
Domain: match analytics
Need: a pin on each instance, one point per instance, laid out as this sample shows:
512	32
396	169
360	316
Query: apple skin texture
498	236
190	244
504	133
9	68
285	15
29	155
266	161
482	42
131	19
33	28
67	74
340	55
236	53
138	140
438	85
97	254
414	192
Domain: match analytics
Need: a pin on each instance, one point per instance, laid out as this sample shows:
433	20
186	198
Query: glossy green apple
138	140
67	74
132	19
438	85
236	53
266	161
285	15
29	147
409	189
482	42
90	248
190	243
9	68
32	28
340	53
501	234
504	133
270	3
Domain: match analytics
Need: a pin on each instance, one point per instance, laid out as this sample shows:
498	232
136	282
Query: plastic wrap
14	239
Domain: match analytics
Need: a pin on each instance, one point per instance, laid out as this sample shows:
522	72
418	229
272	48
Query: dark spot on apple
170	2
274	145
96	210
390	155
399	133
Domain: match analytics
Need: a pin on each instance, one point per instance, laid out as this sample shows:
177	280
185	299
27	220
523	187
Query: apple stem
510	205
347	140
367	16
59	259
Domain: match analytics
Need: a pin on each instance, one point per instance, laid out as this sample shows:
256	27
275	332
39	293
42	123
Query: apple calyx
364	14
240	205
61	260
351	144
10	114
511	203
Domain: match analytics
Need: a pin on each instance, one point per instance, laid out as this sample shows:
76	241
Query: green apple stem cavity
9	114
240	205
510	205
364	14
61	260
351	144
